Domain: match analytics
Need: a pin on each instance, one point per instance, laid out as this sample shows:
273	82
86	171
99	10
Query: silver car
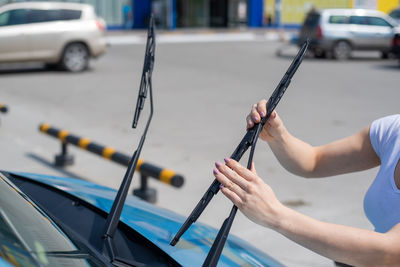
58	34
336	32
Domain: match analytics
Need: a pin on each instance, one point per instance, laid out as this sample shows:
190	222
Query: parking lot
202	93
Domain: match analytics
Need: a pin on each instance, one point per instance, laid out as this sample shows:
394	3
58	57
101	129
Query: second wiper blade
245	143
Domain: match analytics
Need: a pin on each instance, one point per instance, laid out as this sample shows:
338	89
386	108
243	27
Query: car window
39	15
336	19
69	14
36	15
371	21
4	18
28	237
13	17
375	21
360	20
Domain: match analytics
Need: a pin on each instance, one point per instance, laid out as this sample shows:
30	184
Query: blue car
53	221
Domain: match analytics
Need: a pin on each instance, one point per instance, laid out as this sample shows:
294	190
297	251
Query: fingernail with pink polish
226	160
262	114
215	171
221	186
218	164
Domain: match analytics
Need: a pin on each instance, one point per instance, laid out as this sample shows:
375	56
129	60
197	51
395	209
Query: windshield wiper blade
65	254
116	210
249	140
219	242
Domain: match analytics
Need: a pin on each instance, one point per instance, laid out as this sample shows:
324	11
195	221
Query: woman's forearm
341	243
294	155
353	153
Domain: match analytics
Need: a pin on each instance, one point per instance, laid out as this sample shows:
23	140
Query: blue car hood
160	225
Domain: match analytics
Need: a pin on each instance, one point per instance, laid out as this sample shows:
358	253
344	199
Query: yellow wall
387	5
269	10
293	11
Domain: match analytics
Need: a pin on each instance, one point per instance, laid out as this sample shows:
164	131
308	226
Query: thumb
274	120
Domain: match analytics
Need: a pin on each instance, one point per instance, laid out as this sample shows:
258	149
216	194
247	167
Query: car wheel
384	55
318	53
342	50
75	57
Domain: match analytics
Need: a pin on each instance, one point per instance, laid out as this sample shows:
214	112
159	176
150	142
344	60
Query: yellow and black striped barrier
3	108
146	169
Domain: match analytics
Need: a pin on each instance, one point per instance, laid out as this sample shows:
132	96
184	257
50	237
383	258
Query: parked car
52	221
58	34
395	14
337	32
396	46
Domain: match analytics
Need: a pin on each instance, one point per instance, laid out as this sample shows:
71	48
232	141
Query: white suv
339	31
58	34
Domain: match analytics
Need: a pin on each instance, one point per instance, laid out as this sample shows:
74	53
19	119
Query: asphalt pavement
204	85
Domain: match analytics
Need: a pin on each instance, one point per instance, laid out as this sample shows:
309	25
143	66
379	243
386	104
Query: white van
58	34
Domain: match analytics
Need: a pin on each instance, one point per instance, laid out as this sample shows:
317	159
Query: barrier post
144	192
64	159
3	109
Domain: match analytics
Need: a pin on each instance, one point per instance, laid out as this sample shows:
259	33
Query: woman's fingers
262	107
255	115
248	192
241	172
230	178
253	168
228	183
237	179
258	111
274	121
249	121
236	200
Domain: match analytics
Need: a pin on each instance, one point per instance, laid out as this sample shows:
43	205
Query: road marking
194	38
125	40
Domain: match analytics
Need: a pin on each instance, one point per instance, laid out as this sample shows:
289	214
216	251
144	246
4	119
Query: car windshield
30	238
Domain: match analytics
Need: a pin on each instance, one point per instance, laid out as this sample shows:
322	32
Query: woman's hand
353	246
248	192
273	129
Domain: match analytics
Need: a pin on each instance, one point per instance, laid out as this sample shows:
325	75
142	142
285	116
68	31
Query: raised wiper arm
248	140
116	210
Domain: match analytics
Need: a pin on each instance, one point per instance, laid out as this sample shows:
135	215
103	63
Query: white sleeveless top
382	200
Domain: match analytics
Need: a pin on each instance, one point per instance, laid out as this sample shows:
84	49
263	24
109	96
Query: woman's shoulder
387	122
383	132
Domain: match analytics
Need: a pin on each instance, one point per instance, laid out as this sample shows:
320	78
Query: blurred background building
172	14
